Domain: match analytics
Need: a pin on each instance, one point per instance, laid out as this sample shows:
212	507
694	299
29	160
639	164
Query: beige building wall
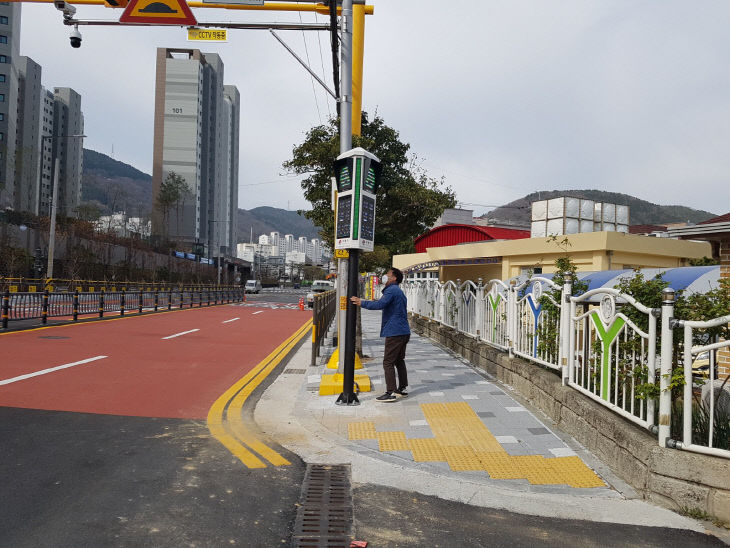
589	251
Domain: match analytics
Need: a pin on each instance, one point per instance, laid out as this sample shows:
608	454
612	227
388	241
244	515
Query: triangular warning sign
158	12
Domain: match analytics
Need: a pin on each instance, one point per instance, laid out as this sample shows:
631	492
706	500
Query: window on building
3	18
2	116
2	136
2	97
3	58
2	77
3	39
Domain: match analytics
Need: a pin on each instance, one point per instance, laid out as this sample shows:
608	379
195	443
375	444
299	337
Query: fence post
459	305
76	306
565	326
511	316
157	298
315	346
479	310
141	301
122	301
169	299
6	308
101	303
665	375
44	309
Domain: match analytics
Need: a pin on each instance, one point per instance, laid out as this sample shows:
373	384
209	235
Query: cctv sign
207	35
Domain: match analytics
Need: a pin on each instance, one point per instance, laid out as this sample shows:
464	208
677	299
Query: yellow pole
270	6
358	53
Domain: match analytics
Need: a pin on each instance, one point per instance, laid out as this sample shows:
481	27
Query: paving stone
539	431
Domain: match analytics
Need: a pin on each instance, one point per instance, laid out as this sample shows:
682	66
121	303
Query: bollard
44	310
122	299
157	298
76	306
101	303
169	300
301	303
6	308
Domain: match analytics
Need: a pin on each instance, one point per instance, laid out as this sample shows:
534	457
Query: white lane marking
180	334
51	370
231	320
259	312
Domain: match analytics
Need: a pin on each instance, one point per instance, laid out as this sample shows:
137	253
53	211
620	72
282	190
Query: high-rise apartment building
28	132
47	103
9	53
68	124
196	136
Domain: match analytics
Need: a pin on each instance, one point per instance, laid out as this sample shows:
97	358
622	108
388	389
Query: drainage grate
294	371
324	518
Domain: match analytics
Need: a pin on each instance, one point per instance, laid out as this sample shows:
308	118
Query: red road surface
143	374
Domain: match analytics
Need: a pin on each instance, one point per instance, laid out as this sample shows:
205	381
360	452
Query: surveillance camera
67	9
75	38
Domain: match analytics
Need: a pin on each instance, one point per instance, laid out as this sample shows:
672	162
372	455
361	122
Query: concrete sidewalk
460	435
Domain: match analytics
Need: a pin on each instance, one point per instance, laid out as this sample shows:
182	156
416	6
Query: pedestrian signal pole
357	173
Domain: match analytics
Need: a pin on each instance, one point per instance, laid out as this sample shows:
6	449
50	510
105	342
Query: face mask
385	279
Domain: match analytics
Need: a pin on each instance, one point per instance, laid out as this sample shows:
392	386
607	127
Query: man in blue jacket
394	327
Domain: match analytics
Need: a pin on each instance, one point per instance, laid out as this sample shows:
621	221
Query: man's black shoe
387	397
401	393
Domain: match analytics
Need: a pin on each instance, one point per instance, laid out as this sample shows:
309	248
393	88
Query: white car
318	286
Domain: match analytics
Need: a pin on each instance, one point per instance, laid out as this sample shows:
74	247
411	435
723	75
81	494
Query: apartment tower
196	137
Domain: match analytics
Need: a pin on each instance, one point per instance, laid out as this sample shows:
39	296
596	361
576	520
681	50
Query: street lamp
54	198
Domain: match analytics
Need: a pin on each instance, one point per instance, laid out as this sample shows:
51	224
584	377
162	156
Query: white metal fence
605	344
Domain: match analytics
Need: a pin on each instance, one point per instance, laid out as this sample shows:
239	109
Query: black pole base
347	399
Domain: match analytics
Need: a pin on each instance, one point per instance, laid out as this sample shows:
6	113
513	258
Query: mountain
115	186
641	211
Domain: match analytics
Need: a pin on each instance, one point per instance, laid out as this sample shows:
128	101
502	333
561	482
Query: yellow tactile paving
392	441
462	440
361	431
426	450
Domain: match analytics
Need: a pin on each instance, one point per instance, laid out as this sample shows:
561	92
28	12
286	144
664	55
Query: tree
409	201
173	191
88	211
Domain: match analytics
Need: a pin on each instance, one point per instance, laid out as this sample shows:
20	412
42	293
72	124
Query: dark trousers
394	359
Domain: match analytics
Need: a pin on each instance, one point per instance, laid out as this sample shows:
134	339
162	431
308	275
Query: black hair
398	275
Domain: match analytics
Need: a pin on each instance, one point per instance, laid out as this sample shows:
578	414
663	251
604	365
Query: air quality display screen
345	180
344	215
368	218
370	181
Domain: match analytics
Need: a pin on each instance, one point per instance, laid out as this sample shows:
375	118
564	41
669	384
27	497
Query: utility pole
347	270
52	232
345	145
54	202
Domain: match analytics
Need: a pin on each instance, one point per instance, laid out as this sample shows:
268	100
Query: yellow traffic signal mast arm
268	6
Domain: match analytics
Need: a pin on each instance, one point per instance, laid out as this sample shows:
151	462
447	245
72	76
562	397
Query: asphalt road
117	452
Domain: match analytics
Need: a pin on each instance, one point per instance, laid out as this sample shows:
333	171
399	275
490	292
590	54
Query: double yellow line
225	418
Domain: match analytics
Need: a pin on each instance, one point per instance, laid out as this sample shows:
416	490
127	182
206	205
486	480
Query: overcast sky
501	98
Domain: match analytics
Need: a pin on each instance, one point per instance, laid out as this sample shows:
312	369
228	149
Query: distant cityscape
274	256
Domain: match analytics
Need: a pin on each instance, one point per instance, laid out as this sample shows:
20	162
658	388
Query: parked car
318	286
701	365
252	286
